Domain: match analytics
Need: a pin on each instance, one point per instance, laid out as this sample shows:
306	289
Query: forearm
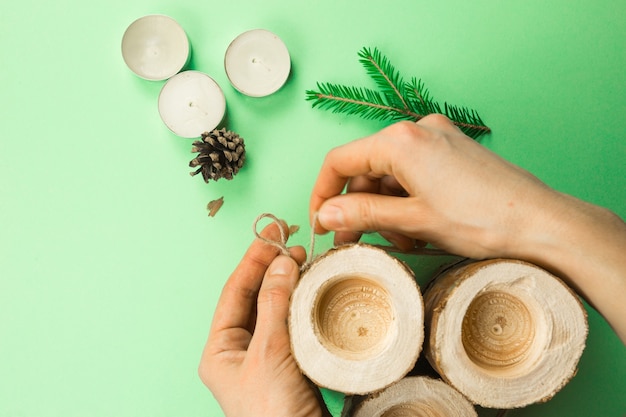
586	246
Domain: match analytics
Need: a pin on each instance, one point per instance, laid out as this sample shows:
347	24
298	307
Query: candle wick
260	62
193	104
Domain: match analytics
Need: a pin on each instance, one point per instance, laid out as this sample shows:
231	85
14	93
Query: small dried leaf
214	206
293	229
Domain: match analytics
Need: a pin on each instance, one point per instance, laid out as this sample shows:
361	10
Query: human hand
247	361
427	181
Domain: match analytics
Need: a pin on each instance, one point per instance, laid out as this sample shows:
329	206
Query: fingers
298	254
390	186
363	211
386	185
400	241
273	301
375	156
363	184
359	158
237	304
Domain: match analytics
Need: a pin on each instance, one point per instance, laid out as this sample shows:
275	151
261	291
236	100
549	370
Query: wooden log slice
415	396
505	333
356	320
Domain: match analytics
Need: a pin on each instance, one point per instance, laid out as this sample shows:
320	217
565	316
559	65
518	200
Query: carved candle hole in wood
505	333
356	320
353	317
498	331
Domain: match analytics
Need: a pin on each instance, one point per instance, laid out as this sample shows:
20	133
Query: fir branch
385	75
396	100
364	102
419	98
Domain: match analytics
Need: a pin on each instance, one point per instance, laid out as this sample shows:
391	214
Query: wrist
584	245
558	231
567	231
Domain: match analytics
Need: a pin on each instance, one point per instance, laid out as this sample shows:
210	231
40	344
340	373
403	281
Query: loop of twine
280	244
284	235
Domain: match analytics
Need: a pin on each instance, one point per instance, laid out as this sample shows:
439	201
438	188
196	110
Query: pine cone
222	153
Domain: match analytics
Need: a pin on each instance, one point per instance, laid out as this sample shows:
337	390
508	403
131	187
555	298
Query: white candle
257	63
191	103
155	47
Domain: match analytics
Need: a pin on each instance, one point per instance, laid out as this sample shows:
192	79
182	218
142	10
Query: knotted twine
281	244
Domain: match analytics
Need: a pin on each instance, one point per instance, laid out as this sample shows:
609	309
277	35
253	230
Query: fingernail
282	265
331	217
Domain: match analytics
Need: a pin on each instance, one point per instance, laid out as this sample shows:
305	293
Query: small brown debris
214	206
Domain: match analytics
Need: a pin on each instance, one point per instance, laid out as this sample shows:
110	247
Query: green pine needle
363	102
386	77
395	100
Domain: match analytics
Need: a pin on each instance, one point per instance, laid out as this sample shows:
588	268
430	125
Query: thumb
273	300
357	212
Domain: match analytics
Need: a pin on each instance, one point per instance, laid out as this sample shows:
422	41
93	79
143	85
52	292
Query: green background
110	267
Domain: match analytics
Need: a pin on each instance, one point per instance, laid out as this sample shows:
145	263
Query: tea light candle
155	47
191	103
257	63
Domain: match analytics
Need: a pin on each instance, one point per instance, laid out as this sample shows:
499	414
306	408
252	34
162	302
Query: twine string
281	244
312	240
